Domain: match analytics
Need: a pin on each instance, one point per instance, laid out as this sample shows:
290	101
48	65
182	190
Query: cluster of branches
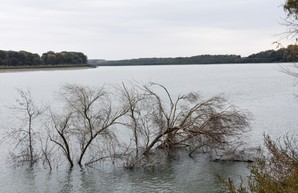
291	8
23	58
86	129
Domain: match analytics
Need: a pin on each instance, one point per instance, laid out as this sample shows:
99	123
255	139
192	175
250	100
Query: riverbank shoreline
5	69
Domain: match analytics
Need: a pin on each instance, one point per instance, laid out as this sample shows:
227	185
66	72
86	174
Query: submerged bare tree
85	128
194	121
26	136
59	132
92	115
187	120
138	115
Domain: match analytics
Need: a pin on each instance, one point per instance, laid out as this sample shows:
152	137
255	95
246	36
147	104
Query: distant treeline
24	58
289	54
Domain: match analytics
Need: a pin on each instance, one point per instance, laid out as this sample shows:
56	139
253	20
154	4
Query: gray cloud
115	29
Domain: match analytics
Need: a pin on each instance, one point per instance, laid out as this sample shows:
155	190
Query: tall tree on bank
291	22
276	172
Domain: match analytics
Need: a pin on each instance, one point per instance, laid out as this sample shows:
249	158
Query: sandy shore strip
42	68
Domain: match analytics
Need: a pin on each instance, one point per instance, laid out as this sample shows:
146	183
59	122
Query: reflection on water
175	175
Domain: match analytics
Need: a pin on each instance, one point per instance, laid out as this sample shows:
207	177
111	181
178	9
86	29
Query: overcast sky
119	29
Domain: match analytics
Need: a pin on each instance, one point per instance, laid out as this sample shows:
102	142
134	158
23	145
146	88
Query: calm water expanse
260	88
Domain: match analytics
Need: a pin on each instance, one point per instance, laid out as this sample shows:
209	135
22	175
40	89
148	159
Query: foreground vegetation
276	172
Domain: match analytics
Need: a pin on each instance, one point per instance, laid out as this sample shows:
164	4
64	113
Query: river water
260	88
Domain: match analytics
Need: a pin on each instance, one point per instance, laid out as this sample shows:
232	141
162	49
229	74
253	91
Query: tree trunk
30	141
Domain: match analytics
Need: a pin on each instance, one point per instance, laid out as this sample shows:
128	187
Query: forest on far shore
24	58
289	54
50	58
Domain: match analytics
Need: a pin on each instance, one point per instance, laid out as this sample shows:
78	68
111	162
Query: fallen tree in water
158	120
